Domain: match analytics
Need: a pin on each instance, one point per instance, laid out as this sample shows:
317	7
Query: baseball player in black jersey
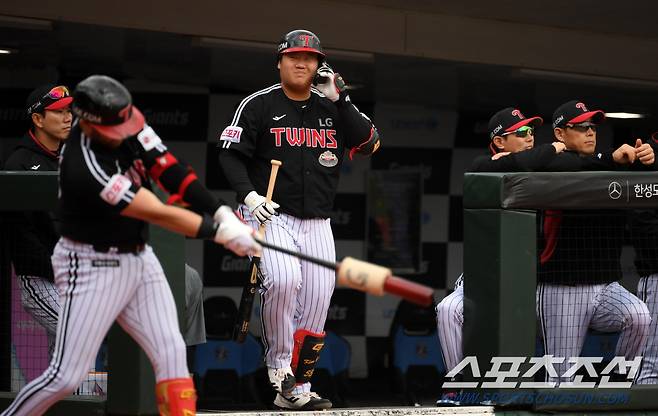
33	235
308	128
104	269
579	254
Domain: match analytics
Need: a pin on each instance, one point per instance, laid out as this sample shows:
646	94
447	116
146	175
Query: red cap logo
518	114
305	39
582	107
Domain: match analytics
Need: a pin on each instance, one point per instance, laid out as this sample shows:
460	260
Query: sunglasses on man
582	127
521	132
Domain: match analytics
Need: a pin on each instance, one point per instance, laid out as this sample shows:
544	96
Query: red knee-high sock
176	397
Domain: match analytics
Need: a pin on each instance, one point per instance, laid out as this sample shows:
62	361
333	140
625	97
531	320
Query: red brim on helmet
303	49
133	125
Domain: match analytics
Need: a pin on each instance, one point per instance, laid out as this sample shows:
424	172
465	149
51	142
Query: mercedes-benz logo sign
614	190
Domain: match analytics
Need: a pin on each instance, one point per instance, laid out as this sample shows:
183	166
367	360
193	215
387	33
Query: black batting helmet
106	105
300	41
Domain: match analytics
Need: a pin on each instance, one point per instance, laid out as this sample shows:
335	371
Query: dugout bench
500	257
131	384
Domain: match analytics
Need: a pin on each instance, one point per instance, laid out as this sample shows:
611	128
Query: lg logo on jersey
323	138
327	122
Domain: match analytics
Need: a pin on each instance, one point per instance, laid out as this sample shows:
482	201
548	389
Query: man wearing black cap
32	234
103	266
511	133
575	126
579	255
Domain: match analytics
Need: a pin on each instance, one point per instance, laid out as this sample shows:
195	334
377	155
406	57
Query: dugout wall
131	385
500	267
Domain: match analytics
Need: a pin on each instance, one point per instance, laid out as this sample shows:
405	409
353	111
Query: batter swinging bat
249	291
367	277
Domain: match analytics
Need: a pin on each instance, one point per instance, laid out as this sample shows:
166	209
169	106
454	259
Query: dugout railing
500	268
131	384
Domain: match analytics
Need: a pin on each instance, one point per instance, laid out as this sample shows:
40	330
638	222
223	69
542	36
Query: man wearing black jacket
33	235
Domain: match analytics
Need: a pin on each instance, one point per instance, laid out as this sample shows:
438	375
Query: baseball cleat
302	401
281	379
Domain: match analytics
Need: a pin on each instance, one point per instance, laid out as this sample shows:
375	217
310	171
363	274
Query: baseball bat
241	328
366	277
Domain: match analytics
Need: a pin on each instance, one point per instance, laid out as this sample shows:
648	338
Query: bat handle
273	172
270	189
411	291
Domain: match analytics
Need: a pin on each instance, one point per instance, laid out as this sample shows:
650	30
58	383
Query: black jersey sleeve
530	160
242	133
99	178
361	135
569	161
234	165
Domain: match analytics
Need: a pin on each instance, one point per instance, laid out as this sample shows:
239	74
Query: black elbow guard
368	147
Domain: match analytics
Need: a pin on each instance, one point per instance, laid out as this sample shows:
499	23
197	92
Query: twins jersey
94	191
310	138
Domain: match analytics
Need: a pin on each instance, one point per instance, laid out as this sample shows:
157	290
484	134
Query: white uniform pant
450	321
294	294
566	312
97	289
647	290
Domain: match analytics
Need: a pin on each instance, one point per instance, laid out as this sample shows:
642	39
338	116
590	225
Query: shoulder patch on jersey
231	134
148	138
115	189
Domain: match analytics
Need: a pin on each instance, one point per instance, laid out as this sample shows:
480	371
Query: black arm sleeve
568	161
357	126
234	165
531	160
